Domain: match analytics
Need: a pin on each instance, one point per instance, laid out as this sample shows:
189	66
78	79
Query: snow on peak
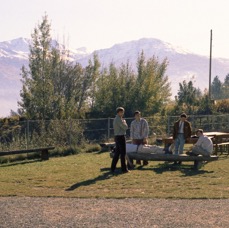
16	48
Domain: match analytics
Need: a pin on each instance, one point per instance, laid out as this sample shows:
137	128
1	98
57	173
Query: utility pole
210	65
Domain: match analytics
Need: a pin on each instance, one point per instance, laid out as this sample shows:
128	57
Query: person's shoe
126	171
112	172
145	162
130	166
180	162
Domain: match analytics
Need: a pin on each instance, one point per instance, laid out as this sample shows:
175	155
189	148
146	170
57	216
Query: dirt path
72	212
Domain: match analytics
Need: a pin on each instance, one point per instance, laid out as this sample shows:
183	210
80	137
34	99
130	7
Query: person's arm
174	131
190	130
131	130
145	132
199	141
122	124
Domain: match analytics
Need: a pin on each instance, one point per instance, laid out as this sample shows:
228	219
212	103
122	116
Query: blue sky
98	24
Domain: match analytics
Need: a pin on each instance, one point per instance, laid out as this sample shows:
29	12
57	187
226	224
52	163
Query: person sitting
144	148
133	148
203	146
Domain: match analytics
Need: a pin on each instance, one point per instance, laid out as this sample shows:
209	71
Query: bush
92	148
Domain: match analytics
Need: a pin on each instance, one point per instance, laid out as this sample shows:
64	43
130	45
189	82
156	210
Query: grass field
87	175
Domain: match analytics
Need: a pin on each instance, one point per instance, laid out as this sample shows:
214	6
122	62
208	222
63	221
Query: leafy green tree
147	90
114	89
37	88
222	106
53	87
67	79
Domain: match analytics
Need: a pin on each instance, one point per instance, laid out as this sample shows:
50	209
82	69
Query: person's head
137	115
199	132
183	117
120	111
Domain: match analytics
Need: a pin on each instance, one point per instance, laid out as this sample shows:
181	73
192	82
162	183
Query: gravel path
73	212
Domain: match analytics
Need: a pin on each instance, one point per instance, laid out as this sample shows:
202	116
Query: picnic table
220	140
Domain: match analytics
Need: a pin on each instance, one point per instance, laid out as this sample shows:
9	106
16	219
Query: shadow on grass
192	172
102	152
186	170
101	177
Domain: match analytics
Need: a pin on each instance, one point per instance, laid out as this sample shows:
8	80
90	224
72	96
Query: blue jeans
179	144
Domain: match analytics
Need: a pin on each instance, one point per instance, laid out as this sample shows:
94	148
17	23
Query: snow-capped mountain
17	48
183	65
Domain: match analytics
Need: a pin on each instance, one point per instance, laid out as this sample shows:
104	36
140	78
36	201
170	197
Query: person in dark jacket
181	132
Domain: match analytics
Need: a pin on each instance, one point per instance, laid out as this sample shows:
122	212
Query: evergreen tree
206	106
187	96
216	88
225	87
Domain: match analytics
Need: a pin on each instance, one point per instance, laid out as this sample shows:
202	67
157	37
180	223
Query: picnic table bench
173	158
198	160
43	150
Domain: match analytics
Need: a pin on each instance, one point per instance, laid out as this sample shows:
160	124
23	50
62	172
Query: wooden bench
173	158
198	160
44	152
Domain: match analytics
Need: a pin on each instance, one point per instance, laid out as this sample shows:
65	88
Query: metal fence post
168	131
70	134
108	129
27	133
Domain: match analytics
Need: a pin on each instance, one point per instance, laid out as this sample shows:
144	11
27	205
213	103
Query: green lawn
87	175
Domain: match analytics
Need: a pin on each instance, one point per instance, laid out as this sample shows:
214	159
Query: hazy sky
98	24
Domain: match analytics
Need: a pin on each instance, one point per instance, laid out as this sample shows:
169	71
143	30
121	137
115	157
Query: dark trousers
120	143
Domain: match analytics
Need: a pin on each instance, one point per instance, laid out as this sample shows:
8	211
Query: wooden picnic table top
194	138
216	133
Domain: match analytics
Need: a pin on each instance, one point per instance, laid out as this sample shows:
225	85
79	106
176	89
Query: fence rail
31	133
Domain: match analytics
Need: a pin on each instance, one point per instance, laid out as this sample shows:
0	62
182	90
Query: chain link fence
37	133
205	122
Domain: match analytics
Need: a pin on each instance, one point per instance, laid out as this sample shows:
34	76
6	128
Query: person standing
139	131
181	132
120	127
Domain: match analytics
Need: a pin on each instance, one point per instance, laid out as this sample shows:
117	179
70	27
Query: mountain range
183	64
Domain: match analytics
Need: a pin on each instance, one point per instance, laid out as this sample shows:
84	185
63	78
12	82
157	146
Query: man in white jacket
204	145
139	131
